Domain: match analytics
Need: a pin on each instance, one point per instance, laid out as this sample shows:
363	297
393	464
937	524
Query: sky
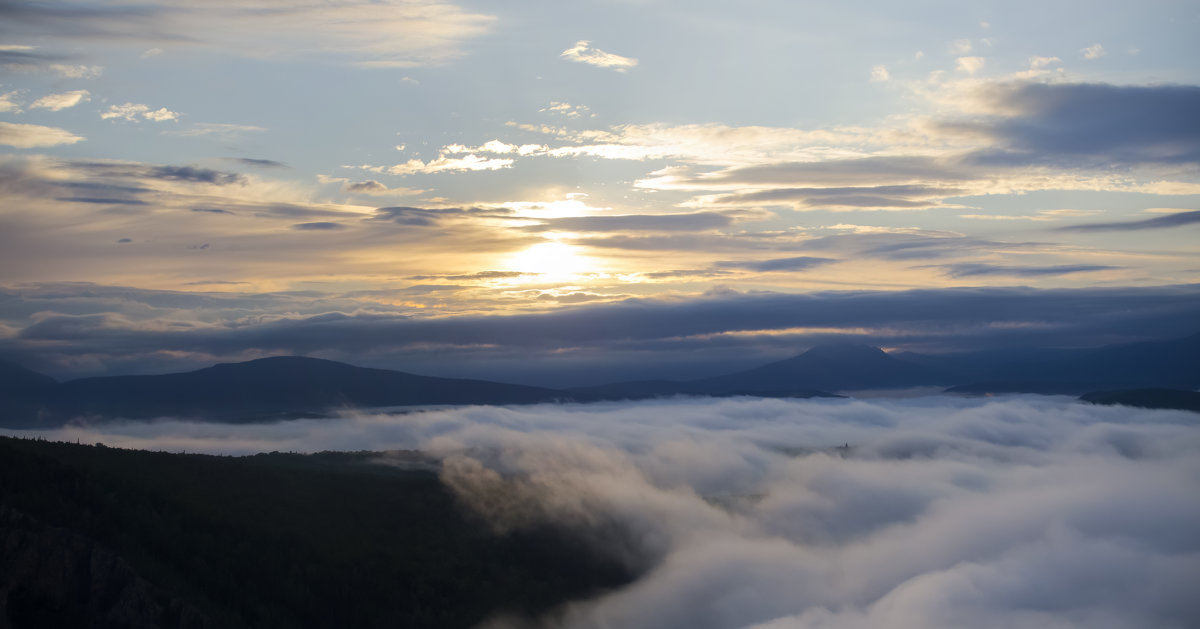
930	513
560	193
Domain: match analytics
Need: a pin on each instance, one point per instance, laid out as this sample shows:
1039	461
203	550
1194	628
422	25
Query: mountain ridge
298	386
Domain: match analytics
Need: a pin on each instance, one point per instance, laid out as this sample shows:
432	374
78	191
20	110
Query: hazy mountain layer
290	386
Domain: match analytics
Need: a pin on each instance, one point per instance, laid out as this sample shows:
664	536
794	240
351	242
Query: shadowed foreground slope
101	537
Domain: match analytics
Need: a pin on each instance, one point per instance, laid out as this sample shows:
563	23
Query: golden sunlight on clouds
551	261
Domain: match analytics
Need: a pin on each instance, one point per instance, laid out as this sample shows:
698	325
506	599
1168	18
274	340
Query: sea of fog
927	512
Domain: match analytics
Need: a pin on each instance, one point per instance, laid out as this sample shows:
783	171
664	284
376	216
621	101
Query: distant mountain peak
844	350
15	377
283	360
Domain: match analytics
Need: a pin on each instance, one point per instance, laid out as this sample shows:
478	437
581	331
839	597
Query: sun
549	260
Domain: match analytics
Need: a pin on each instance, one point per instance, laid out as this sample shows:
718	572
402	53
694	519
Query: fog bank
924	513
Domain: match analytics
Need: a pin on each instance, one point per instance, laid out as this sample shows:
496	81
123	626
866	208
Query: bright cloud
468	162
583	52
24	136
133	111
58	102
880	73
970	65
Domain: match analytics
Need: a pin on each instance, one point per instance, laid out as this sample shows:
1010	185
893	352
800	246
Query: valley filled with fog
930	511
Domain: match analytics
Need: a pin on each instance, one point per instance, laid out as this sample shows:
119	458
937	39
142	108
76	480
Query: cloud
880	73
189	173
24	59
990	137
76	71
1090	124
133	111
367	187
24	136
583	52
1038	63
697	221
139	171
974	269
941	512
58	102
482	275
8	104
900	197
960	47
319	226
970	65
646	337
227	132
565	109
1012	136
375	188
799	263
494	147
258	163
900	170
387	34
1167	221
1095	51
103	200
910	245
449	164
416	216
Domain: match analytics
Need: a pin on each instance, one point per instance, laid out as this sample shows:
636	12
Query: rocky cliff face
54	577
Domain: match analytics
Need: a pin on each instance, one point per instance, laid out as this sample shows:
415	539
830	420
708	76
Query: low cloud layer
128	330
927	512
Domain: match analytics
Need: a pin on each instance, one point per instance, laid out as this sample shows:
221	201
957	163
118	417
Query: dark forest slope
273	540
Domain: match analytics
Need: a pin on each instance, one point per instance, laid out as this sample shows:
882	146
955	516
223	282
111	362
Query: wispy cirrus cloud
24	59
977	269
385	34
224	131
1177	219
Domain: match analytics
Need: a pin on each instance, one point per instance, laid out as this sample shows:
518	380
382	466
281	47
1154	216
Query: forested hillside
92	536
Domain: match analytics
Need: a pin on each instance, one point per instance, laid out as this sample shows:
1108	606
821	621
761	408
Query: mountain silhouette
263	388
831	366
291	386
17	379
1173	364
826	367
1147	398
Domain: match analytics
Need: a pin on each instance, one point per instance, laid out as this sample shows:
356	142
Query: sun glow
550	260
